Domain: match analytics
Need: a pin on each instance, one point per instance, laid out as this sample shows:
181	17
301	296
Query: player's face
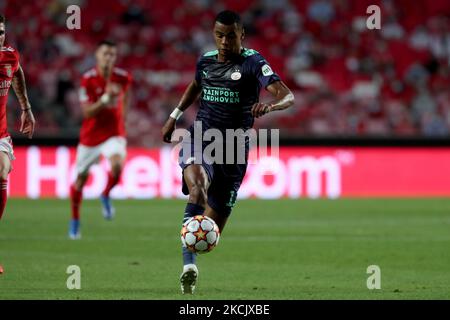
2	34
106	56
228	38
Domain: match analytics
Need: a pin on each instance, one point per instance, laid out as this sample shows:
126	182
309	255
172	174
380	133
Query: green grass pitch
284	249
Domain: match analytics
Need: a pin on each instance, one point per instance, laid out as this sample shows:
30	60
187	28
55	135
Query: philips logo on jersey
222	95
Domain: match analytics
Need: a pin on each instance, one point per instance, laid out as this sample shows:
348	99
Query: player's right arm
190	95
92	109
27	118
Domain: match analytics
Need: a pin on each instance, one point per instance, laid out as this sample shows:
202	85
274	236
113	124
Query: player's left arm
126	98
27	121
126	102
284	98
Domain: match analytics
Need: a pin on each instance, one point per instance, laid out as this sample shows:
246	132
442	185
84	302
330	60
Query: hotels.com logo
296	172
153	173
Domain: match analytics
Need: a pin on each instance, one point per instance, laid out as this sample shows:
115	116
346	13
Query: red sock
75	202
3	195
111	183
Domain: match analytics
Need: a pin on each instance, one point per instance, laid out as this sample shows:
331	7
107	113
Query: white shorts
87	156
6	147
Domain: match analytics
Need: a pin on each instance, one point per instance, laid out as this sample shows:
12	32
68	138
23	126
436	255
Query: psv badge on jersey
8	70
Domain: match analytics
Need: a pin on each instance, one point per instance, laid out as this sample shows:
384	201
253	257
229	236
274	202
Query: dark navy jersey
229	89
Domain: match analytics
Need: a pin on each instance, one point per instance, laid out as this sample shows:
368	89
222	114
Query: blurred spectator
321	11
347	80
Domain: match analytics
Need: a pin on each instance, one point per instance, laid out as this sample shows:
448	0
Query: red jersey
109	121
9	64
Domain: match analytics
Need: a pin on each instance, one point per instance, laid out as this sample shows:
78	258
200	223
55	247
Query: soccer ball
200	234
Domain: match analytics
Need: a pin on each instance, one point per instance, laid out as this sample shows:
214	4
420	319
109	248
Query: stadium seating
348	80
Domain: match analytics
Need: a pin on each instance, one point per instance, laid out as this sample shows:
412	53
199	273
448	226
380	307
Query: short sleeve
198	71
128	81
17	64
83	91
262	71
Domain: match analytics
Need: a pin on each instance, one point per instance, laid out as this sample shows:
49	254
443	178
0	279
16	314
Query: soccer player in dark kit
227	82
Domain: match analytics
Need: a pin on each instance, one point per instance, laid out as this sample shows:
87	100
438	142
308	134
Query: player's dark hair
2	19
228	18
108	43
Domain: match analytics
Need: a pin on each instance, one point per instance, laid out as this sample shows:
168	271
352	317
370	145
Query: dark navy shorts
225	179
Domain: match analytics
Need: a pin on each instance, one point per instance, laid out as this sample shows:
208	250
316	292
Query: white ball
200	234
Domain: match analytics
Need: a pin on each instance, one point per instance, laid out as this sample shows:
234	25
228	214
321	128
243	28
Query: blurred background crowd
348	80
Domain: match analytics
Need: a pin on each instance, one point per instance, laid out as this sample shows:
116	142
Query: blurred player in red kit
11	74
104	98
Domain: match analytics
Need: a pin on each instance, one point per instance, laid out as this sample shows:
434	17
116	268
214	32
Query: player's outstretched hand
27	123
168	129
259	109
